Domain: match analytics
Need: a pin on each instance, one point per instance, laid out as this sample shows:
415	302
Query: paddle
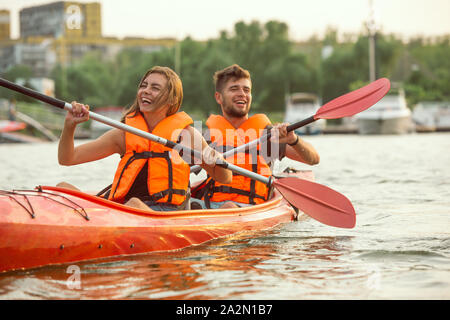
317	201
346	105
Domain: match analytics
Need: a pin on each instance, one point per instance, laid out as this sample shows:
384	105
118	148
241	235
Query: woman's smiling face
149	92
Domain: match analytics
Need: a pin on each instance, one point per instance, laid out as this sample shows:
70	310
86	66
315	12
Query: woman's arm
107	144
217	173
193	139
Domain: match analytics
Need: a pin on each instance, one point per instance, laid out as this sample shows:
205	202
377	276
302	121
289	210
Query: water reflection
222	269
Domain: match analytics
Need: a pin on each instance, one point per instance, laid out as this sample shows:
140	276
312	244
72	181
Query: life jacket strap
159	195
104	193
210	189
151	154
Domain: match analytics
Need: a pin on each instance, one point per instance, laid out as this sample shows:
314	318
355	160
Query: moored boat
9	126
54	225
300	106
390	115
8	130
432	116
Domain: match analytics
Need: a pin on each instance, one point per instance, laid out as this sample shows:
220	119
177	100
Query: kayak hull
64	244
58	226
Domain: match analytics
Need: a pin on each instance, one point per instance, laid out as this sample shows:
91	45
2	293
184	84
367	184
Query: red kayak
8	126
53	225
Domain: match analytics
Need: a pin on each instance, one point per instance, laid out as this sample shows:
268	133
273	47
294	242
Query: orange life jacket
168	173
224	136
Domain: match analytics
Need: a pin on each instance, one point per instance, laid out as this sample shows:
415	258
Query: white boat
390	115
300	106
432	116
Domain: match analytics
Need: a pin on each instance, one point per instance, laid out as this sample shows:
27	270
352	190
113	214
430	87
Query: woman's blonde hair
171	95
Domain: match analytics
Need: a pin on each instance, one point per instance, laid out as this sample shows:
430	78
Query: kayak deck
53	225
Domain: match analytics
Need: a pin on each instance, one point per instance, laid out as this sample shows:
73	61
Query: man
234	128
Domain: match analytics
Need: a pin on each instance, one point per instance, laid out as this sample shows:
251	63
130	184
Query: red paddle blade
318	201
354	102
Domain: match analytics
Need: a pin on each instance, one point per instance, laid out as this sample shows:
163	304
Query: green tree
278	66
349	63
431	69
15	73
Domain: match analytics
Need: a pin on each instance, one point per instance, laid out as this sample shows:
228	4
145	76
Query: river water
399	249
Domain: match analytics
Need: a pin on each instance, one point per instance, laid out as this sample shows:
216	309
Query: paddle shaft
122	126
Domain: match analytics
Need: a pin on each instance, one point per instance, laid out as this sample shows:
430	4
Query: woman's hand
78	114
211	156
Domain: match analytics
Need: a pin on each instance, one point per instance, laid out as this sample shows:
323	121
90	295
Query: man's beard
233	112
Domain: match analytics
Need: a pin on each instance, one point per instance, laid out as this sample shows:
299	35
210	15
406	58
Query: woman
149	175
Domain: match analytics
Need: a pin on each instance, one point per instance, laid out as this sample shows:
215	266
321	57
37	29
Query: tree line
328	67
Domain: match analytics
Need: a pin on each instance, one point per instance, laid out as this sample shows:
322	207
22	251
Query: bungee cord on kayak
26	194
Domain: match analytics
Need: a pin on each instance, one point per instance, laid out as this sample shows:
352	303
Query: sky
204	19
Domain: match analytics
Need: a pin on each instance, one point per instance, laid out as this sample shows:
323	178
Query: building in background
5	25
40	57
62	19
62	33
